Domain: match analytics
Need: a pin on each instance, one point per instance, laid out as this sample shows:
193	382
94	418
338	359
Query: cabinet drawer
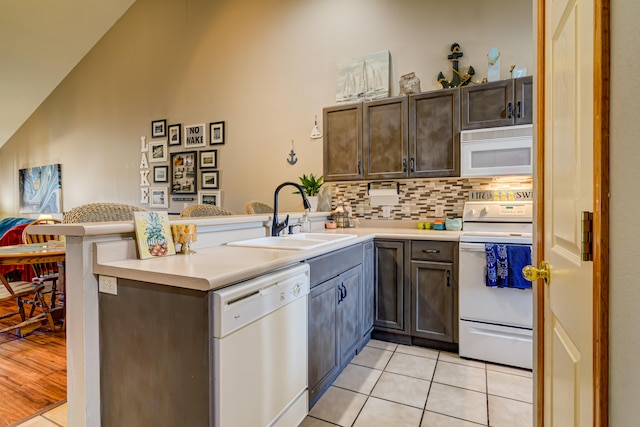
325	267
428	250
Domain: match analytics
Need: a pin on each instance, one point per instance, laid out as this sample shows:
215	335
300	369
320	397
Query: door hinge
587	236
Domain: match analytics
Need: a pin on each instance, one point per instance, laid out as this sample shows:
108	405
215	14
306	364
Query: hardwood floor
33	370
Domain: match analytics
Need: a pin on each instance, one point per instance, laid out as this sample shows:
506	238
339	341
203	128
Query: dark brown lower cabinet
335	319
432	305
416	292
391	292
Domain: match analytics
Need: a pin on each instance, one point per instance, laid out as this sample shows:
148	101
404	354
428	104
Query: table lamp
185	234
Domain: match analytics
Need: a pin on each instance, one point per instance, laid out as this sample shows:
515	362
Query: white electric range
495	324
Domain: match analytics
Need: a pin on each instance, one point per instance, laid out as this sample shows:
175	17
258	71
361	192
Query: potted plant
311	185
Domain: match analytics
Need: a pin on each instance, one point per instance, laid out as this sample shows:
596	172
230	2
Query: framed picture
183	172
210	198
160	173
158	197
209	159
210	179
216	132
40	189
158	128
153	234
157	151
194	136
175	134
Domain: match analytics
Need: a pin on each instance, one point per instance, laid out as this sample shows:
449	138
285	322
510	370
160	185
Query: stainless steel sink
299	242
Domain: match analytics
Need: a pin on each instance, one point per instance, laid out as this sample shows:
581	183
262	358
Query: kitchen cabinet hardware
431	251
510	107
448	278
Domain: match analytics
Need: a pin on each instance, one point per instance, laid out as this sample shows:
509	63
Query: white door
568	190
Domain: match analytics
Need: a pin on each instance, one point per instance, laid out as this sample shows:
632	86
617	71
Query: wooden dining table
34	253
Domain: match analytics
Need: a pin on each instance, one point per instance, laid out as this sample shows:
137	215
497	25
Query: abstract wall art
41	189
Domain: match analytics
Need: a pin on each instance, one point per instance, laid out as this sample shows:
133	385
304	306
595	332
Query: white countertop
215	267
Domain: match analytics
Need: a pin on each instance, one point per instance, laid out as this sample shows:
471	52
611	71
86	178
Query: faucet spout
277	227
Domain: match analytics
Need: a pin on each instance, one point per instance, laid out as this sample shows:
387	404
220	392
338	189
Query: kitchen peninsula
109	249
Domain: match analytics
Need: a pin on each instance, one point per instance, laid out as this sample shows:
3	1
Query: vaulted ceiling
41	41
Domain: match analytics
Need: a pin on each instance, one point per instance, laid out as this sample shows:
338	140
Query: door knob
532	273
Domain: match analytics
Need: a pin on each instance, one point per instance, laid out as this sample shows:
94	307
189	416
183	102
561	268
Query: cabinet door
488	105
367	295
343	142
348	313
385	138
323	344
432	314
434	133
391	297
524	100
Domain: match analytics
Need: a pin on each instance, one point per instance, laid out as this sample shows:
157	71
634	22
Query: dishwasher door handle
472	247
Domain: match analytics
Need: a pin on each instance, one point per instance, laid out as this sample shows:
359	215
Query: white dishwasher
260	350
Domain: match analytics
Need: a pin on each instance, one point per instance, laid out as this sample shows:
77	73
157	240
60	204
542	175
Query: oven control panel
512	210
521	211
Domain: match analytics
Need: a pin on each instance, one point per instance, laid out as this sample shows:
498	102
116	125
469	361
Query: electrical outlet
439	211
386	211
108	285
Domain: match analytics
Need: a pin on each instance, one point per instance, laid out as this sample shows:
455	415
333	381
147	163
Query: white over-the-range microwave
496	151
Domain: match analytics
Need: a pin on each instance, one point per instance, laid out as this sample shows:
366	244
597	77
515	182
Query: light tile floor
56	417
397	385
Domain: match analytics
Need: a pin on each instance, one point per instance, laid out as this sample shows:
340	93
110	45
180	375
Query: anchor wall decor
458	78
292	160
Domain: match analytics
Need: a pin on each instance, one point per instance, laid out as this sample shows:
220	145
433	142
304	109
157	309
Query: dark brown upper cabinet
434	134
343	142
495	104
385	137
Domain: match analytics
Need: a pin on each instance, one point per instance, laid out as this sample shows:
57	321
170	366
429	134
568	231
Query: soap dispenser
306	224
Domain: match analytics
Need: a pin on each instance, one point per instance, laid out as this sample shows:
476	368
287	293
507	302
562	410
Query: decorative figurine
493	65
458	78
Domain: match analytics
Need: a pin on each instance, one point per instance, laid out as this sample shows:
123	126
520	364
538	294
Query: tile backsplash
419	198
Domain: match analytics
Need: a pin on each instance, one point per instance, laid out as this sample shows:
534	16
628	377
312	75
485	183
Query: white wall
265	67
625	203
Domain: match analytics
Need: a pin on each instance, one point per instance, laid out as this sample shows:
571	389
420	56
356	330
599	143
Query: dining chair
256	207
204	210
46	271
101	212
24	293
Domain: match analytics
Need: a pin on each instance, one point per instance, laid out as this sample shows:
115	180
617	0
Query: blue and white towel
505	263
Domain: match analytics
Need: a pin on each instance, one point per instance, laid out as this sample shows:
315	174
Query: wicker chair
101	212
255	207
204	210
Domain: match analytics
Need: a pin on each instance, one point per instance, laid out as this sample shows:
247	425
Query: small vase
313	201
